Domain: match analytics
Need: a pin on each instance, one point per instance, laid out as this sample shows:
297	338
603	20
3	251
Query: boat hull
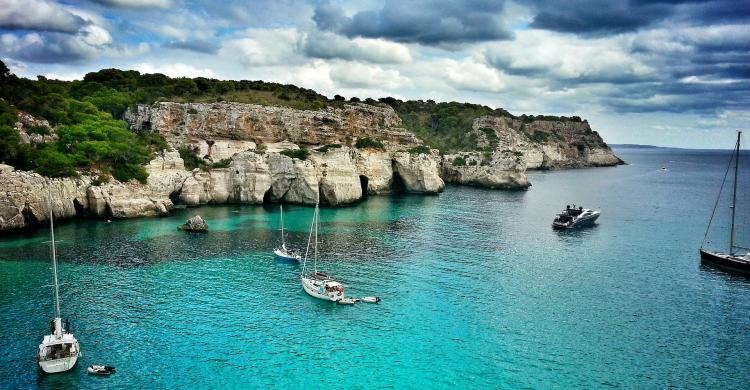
285	256
58	365
725	262
313	288
583	222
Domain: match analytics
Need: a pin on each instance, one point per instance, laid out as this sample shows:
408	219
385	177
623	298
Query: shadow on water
575	235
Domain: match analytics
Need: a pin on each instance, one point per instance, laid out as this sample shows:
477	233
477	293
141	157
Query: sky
668	73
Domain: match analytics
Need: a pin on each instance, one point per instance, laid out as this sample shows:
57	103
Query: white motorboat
572	218
319	284
60	350
283	252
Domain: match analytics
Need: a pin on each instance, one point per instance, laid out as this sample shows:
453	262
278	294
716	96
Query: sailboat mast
734	192
283	243
54	255
315	254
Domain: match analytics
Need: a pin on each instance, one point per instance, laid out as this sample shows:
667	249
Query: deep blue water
478	291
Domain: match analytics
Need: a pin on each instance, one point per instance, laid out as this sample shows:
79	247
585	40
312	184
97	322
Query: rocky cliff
336	172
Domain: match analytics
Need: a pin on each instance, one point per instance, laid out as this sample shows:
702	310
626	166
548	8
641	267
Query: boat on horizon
283	252
319	284
59	351
573	217
732	260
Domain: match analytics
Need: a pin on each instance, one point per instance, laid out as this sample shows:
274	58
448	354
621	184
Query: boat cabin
53	348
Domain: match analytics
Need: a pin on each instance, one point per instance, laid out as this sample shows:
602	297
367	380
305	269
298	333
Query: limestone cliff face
335	177
547	144
25	198
196	123
337	174
498	170
420	172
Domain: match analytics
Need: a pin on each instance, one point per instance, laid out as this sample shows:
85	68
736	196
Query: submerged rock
194	224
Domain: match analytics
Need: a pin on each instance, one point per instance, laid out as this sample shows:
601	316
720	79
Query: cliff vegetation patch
300	154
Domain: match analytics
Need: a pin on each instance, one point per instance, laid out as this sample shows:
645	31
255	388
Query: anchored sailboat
283	252
733	260
319	284
60	350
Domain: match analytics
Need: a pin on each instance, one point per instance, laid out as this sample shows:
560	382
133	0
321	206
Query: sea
478	291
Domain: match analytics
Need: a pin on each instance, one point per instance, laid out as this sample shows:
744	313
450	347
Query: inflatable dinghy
100	370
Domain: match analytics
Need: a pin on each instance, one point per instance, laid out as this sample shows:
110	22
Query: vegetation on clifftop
87	116
90	139
448	126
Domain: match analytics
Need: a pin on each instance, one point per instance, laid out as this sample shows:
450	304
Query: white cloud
95	36
173	70
263	47
315	75
328	45
564	56
467	74
41	15
353	74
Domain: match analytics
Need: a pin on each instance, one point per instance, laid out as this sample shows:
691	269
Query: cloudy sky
671	73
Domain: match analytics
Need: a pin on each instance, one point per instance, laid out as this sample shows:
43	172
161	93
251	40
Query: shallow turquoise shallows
478	291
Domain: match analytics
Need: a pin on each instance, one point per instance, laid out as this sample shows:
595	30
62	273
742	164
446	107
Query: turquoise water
478	292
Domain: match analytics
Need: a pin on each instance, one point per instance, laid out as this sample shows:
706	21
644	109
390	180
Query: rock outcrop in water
335	173
194	224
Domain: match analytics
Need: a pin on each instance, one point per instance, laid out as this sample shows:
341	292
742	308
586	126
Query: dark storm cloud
200	46
134	3
425	22
49	48
679	97
596	17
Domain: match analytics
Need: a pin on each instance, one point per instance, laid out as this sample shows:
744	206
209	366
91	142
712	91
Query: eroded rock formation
248	140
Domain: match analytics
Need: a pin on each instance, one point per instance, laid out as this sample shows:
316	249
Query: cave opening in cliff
363	181
174	196
29	217
79	208
268	196
398	186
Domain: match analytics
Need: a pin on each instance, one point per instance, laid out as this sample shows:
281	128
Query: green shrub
459	161
421	149
326	148
41	130
191	160
262	148
540	136
472	163
53	163
224	163
301	153
192	111
129	171
99	180
366	142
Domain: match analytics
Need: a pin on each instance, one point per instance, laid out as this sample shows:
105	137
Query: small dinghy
347	301
101	370
370	299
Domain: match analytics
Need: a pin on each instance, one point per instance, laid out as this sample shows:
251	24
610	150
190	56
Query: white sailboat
283	252
60	350
319	284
